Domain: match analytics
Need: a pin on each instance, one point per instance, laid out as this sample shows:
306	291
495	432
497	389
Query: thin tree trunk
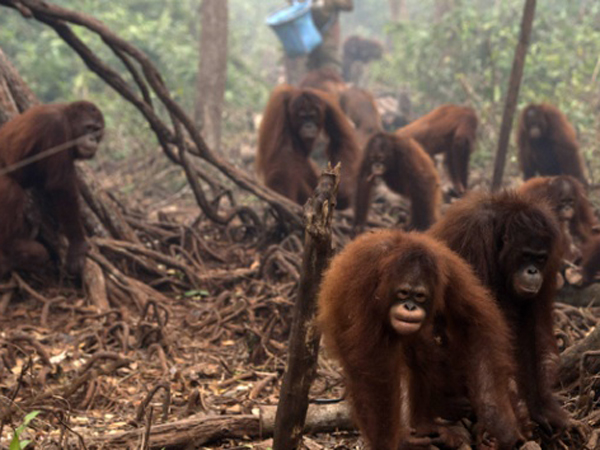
404	14
513	92
399	11
212	70
304	337
442	7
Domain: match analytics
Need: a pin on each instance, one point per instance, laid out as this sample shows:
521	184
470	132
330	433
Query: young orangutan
382	302
407	170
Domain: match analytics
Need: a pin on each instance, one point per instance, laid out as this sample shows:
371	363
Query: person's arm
342	5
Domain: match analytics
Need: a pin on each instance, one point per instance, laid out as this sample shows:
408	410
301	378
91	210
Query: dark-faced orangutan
359	105
451	130
292	121
568	199
514	245
77	126
383	301
548	143
407	170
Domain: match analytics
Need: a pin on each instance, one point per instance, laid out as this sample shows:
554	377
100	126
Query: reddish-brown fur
324	79
359	105
407	170
34	131
359	50
283	159
548	143
395	381
506	237
451	130
561	192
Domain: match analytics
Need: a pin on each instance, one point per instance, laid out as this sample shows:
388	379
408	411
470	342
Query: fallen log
581	297
201	430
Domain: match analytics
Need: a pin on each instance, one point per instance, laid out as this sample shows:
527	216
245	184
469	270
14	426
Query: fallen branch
304	338
571	358
201	430
582	297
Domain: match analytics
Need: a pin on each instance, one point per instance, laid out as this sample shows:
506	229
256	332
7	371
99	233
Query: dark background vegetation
463	58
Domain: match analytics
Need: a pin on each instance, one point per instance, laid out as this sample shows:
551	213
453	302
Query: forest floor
211	352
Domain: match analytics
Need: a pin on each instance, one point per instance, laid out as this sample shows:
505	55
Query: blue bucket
295	28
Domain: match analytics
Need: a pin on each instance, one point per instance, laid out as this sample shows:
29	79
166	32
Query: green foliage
196	293
17	443
166	31
468	56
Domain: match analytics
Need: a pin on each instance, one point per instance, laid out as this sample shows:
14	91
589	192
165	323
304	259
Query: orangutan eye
403	293
420	297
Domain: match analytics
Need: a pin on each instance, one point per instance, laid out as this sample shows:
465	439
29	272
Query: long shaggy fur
409	172
556	151
451	130
283	162
490	233
396	382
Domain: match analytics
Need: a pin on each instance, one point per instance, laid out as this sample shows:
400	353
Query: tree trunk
399	11
513	92
212	70
304	338
442	7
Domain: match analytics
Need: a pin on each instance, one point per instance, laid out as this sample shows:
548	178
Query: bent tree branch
148	81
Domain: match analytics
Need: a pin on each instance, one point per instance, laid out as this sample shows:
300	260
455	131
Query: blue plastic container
295	28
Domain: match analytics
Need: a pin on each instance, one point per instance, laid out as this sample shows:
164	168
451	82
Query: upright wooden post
513	93
303	348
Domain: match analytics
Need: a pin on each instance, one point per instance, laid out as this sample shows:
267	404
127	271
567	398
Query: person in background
325	16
